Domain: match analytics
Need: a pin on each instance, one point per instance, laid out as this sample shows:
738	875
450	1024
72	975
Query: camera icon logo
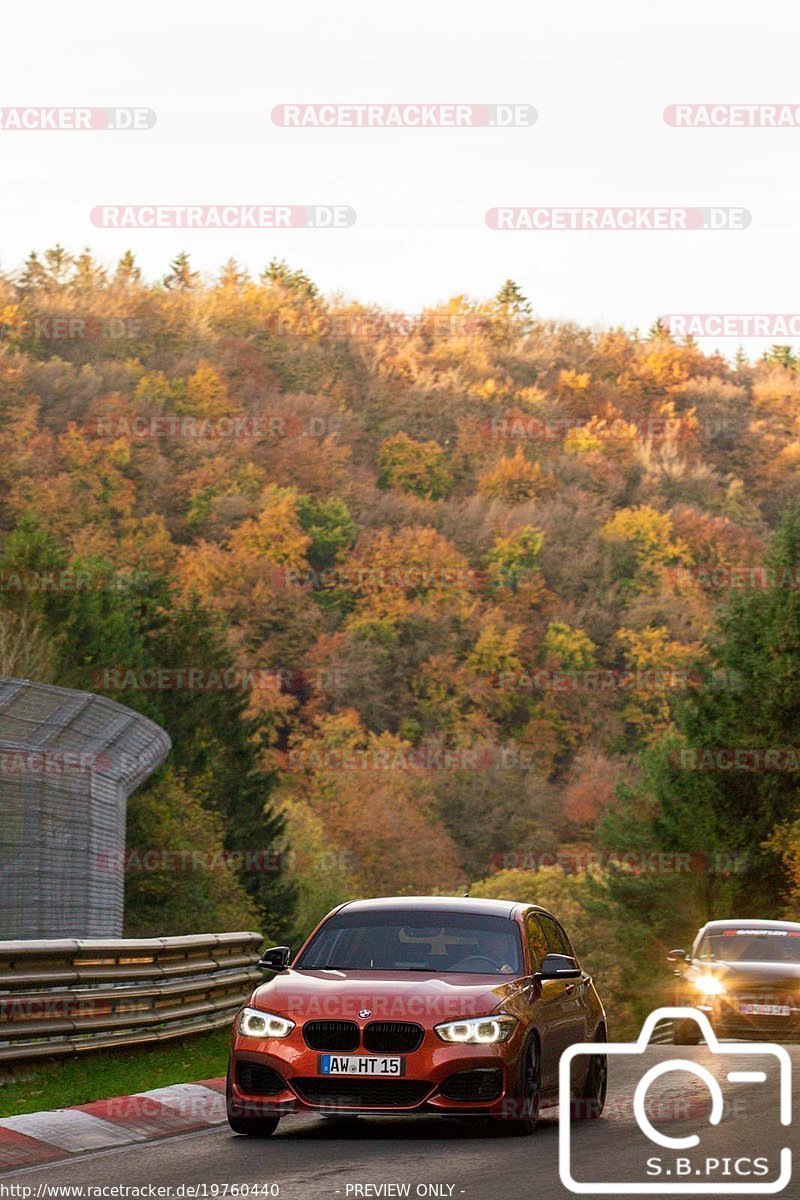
685	1166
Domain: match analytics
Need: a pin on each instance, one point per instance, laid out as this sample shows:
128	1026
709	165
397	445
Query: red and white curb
45	1137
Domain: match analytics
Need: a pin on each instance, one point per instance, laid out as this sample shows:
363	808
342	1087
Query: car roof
462	904
749	923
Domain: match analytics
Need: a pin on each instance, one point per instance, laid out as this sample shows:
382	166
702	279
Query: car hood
386	995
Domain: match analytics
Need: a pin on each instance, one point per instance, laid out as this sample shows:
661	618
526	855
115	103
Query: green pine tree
180	276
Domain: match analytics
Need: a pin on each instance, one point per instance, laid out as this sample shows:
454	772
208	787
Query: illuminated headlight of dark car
255	1023
482	1031
709	985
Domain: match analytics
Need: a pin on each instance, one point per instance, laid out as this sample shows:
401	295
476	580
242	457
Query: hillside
419	599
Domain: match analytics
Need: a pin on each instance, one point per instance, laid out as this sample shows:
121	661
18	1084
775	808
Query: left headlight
255	1023
709	985
484	1031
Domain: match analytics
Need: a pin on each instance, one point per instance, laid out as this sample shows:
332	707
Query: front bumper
729	1021
490	1088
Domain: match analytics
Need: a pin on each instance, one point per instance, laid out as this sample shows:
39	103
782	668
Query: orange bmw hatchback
460	1007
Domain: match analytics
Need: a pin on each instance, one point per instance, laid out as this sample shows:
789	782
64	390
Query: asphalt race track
311	1158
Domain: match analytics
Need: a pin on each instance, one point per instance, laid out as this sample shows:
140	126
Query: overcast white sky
599	75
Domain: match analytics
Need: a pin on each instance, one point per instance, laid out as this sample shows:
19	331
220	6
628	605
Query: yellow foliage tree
417	467
206	394
648	541
571	648
275	535
415	569
659	669
513	480
375	804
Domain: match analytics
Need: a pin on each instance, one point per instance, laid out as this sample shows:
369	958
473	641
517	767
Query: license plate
359	1064
766	1010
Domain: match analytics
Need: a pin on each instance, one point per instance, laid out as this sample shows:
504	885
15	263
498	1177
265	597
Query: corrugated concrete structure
68	762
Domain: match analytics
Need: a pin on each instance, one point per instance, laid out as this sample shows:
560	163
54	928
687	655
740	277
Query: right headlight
482	1031
709	985
253	1022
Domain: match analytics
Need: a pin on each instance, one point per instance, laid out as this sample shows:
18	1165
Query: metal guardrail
67	996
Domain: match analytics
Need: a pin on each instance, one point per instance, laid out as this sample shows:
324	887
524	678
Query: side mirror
677	956
559	966
276	959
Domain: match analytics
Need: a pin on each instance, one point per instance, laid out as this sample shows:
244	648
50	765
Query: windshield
441	942
752	945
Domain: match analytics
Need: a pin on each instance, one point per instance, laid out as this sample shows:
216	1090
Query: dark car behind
745	976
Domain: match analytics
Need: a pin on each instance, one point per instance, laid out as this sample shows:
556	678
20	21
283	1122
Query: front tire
685	1033
254	1126
249	1126
530	1094
591	1100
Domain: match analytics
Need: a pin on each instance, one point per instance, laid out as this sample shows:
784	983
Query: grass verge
61	1082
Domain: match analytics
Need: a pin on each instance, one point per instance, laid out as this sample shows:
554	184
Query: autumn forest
461	599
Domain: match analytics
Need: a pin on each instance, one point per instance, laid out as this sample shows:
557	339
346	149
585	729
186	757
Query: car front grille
483	1084
258	1080
362	1093
393	1037
331	1035
765	997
